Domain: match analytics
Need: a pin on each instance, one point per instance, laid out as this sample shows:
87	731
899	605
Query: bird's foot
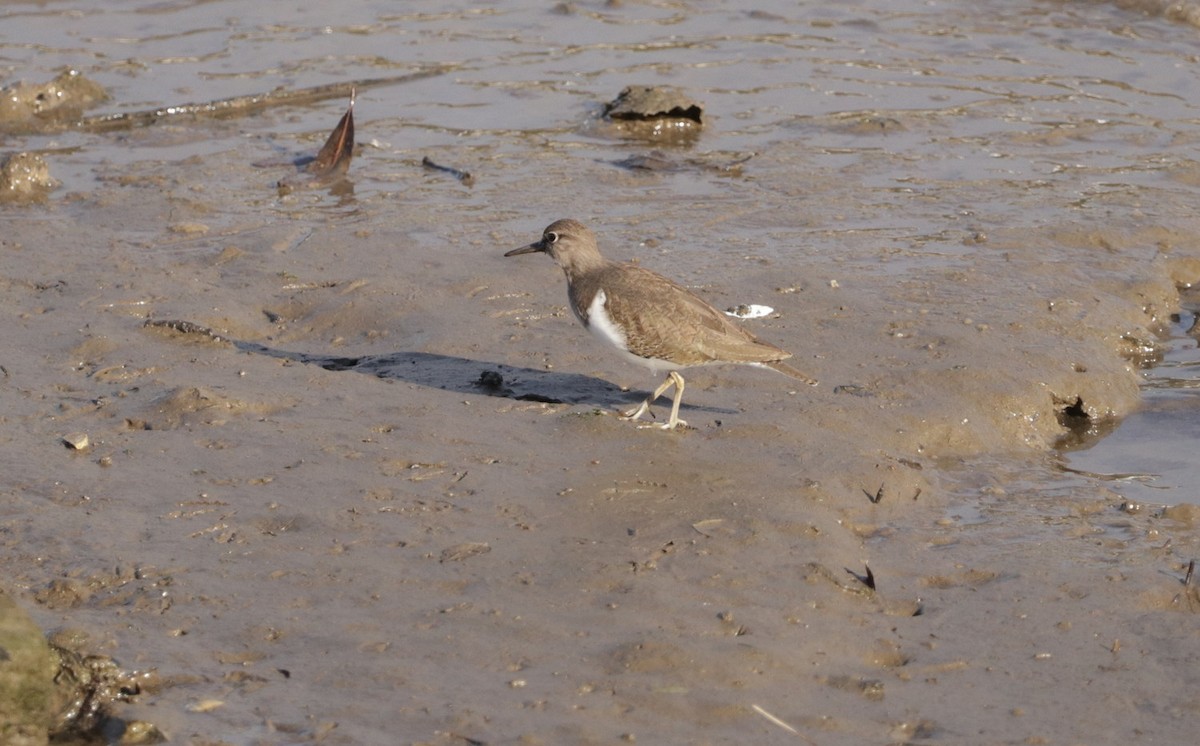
681	424
637	412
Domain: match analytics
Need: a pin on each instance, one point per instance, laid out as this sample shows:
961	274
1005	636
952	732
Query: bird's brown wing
666	321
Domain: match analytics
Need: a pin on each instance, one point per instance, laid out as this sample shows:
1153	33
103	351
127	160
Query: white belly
600	324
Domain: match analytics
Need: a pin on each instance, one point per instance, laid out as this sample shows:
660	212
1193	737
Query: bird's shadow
445	372
467	376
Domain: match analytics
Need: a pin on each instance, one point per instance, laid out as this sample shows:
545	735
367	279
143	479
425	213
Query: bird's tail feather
788	370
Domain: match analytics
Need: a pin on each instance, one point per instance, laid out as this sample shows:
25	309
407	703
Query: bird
650	320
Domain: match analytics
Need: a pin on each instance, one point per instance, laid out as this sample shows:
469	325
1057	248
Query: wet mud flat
371	505
351	477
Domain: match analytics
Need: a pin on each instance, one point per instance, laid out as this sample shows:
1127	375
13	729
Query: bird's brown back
666	321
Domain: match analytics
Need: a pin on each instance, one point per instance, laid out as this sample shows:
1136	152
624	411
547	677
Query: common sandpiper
651	320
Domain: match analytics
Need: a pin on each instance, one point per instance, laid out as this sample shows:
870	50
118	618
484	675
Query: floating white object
749	311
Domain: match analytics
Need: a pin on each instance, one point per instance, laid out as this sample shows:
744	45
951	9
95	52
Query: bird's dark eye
550	237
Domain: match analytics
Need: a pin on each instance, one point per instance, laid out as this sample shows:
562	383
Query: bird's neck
584	281
581	263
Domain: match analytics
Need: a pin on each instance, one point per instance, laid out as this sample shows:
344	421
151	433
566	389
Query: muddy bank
375	538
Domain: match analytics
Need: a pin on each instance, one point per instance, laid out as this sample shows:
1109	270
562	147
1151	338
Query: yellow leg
675	421
644	407
673	379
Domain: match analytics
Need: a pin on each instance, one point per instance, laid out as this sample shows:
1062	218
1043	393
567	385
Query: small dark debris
490	380
867	579
877	497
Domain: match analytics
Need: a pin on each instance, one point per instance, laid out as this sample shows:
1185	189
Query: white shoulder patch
600	324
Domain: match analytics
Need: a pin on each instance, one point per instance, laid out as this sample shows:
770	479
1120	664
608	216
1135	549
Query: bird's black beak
531	248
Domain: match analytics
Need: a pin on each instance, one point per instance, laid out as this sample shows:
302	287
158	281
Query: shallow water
968	217
1150	456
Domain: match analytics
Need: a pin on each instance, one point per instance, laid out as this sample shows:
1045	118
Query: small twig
774	720
779	722
464	177
247	105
